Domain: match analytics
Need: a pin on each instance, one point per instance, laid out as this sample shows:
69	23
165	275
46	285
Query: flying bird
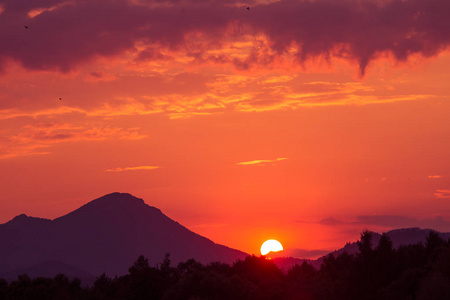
26	27
248	7
60	98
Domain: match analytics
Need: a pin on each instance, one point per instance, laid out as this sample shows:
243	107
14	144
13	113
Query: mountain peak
117	196
118	204
23	219
116	200
19	217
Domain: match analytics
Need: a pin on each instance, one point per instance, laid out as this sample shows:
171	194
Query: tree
139	267
385	269
3	288
433	244
365	243
143	280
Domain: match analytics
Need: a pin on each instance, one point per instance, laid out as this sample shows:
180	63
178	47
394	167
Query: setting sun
271	246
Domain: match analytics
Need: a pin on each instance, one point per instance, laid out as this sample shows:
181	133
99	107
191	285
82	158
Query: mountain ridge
106	235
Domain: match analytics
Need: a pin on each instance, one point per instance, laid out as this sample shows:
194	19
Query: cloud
260	162
57	132
100	76
392	221
442	194
330	221
64	34
145	168
15	113
116	91
437	222
124	107
10	151
434	176
387	221
33	138
296	95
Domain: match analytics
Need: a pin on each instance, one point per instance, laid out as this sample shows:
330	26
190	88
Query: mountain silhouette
104	236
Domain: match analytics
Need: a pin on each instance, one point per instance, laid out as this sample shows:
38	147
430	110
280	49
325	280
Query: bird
26	27
248	7
60	98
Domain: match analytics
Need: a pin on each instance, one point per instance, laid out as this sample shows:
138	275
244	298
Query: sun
271	246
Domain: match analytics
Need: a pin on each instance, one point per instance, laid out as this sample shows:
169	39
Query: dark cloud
151	53
359	30
388	221
438	222
392	221
78	31
330	221
56	136
96	74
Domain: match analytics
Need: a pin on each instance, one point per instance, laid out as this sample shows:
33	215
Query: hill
104	236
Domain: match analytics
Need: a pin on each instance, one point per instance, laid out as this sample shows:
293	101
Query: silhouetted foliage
59	287
376	272
3	288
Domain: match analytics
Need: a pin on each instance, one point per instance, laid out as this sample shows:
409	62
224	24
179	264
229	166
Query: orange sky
241	132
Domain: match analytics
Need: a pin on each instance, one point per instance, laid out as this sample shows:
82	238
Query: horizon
301	121
308	254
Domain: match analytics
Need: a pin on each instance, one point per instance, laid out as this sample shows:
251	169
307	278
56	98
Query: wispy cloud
442	194
434	176
33	138
330	221
144	168
392	221
182	106
261	161
15	113
58	132
387	220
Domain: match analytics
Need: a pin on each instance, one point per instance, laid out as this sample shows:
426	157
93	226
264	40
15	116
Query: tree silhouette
381	272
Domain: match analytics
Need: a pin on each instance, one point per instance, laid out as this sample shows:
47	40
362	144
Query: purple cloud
392	221
330	221
66	34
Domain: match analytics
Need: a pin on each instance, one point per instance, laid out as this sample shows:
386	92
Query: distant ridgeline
417	271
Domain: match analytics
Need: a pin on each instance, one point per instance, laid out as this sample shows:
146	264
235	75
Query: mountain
104	236
399	237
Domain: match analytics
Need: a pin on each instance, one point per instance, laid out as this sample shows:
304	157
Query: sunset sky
302	121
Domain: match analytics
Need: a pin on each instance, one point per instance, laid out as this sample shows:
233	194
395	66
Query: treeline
382	272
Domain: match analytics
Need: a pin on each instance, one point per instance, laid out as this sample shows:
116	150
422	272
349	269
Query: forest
419	271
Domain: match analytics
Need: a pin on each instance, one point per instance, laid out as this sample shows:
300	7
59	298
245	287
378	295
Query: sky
302	121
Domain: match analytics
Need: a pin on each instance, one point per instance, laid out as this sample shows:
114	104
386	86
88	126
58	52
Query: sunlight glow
271	246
